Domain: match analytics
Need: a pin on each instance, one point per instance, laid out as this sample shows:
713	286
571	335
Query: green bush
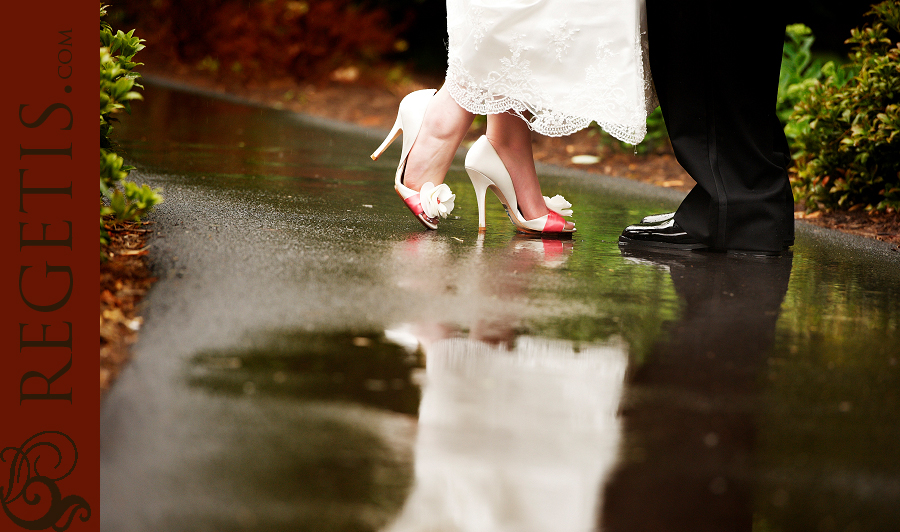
846	126
125	201
798	69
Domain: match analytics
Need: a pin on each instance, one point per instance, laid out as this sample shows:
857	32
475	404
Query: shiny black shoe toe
665	217
665	235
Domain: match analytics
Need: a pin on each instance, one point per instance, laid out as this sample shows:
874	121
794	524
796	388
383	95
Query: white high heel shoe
431	201
486	170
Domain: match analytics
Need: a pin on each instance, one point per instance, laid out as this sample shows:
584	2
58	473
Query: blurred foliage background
382	42
305	39
264	34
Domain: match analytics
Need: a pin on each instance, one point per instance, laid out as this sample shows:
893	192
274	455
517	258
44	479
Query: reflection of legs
511	138
443	128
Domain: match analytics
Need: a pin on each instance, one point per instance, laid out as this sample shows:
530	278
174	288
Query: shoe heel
481	183
486	169
395	132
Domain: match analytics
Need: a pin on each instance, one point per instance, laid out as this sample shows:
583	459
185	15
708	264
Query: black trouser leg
716	67
784	150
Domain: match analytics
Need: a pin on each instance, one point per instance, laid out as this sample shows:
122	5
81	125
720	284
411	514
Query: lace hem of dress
513	90
477	101
481	100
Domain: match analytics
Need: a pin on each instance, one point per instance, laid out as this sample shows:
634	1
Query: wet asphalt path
312	359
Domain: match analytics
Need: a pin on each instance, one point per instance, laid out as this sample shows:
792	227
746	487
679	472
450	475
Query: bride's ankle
428	161
415	182
533	210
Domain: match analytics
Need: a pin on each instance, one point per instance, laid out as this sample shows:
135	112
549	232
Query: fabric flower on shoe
436	200
559	205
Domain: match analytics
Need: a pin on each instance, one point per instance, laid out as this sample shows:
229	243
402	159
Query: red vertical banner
49	362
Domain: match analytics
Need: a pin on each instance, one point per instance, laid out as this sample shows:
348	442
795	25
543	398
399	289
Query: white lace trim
568	105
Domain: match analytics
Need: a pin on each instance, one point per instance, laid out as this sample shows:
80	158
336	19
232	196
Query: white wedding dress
559	64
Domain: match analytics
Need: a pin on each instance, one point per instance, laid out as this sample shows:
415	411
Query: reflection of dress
565	62
514	440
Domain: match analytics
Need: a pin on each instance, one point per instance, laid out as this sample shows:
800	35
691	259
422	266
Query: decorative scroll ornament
31	497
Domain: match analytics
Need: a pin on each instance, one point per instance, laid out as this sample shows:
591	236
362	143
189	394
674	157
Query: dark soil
124	279
878	225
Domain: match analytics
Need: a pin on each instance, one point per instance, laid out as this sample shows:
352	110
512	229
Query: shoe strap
555	223
415	204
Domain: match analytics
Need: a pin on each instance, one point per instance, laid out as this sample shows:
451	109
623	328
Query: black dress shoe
665	235
665	217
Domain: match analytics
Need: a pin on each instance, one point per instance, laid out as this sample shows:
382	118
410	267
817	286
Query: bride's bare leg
443	128
511	138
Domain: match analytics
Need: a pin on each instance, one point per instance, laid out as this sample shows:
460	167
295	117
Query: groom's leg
783	150
716	65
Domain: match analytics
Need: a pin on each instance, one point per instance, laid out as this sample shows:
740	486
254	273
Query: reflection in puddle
690	422
316	435
513	439
516	433
509	437
363	369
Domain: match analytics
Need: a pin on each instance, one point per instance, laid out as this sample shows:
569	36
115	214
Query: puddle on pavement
548	385
513	433
363	369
